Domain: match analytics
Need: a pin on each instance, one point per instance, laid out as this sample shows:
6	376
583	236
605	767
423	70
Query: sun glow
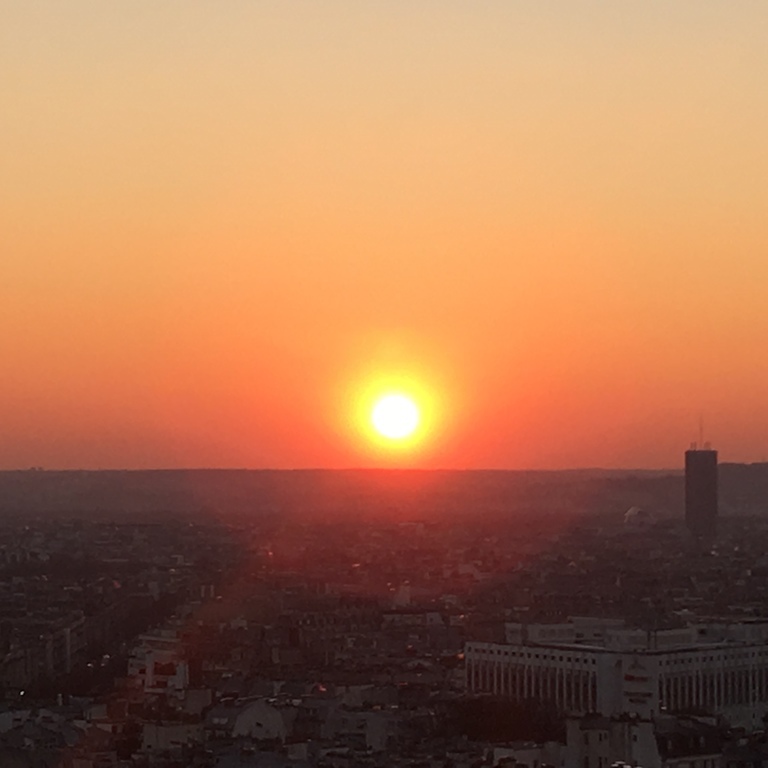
395	416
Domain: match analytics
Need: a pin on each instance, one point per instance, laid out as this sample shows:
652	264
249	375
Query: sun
395	416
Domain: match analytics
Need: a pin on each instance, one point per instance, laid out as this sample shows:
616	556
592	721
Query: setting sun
395	416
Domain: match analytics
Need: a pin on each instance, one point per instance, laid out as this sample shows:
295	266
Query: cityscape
383	384
596	633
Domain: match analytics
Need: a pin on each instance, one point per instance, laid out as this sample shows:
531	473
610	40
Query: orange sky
221	223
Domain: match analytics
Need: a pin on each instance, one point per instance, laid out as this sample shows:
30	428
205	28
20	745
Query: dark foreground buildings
701	492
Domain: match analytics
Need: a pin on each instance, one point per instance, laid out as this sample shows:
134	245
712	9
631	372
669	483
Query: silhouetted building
701	492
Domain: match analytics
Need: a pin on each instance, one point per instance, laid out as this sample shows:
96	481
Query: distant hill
338	493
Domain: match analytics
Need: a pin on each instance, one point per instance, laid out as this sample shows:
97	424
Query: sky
226	226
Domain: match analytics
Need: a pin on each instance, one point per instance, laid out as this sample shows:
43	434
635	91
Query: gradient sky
221	222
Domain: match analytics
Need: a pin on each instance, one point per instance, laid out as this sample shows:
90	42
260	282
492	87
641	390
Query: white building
589	665
157	665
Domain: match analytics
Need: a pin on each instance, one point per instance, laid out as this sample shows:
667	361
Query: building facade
718	668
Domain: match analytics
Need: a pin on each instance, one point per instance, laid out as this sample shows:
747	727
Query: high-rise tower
701	491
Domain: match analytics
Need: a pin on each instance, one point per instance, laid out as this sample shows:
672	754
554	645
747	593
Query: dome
637	516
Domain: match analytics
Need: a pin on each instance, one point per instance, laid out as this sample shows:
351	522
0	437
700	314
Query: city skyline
227	229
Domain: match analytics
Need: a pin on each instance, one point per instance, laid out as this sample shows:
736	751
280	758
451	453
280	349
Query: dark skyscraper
701	492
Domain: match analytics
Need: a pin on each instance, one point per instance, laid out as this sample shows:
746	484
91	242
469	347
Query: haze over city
225	227
383	384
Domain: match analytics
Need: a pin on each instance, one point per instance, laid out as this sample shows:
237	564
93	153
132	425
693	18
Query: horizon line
42	469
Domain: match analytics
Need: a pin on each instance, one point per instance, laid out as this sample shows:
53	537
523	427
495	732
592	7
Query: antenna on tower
701	430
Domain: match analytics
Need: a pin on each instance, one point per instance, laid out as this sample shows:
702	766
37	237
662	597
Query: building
595	741
593	666
701	492
157	666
